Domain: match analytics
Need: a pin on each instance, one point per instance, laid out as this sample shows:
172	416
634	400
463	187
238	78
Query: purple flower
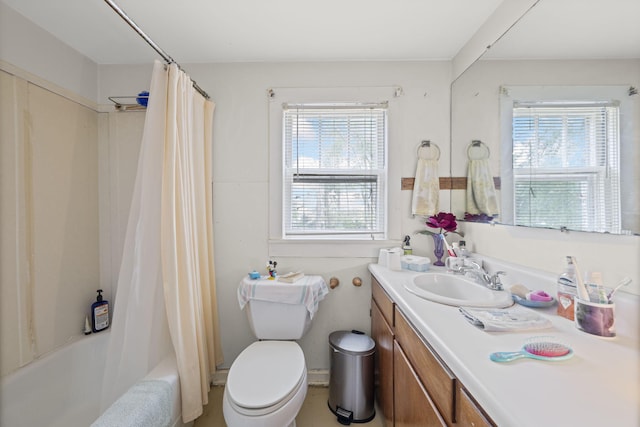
444	220
477	217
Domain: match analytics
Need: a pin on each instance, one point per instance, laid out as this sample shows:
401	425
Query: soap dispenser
406	246
99	313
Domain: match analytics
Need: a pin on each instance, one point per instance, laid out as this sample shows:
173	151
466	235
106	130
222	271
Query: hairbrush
541	348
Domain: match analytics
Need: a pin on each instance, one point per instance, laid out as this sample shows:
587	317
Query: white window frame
513	94
334	246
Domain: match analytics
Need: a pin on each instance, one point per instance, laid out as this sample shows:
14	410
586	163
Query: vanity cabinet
437	379
468	412
413	406
382	312
414	386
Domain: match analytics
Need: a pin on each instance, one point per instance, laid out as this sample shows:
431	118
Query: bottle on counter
406	246
462	248
567	290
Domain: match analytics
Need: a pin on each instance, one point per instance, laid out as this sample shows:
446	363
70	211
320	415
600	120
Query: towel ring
428	150
478	150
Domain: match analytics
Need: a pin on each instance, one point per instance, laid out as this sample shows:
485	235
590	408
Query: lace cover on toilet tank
309	291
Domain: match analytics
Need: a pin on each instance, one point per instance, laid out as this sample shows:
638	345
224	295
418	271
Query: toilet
267	383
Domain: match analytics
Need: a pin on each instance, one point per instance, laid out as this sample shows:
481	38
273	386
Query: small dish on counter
533	304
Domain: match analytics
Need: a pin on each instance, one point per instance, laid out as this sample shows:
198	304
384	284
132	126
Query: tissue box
415	263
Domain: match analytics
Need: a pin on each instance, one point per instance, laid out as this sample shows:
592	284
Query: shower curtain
187	241
165	298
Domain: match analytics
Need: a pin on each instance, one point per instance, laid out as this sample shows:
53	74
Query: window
334	171
566	165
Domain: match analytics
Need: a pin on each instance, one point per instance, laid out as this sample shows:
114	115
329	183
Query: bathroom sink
457	291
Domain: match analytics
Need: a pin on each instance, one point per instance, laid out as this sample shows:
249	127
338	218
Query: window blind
334	171
566	165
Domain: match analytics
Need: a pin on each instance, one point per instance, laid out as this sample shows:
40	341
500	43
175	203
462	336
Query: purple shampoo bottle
99	313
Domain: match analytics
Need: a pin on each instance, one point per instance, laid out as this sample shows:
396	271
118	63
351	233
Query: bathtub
63	388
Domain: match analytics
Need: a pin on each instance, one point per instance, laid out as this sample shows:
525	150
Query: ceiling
574	29
206	31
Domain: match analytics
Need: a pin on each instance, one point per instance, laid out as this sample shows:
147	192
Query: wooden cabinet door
385	304
412	405
434	375
383	336
469	414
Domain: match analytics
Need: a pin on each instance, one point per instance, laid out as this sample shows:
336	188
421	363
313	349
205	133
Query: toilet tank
277	321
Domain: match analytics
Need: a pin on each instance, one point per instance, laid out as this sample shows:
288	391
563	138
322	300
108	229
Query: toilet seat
265	376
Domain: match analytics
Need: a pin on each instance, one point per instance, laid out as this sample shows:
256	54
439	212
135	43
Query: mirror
571	54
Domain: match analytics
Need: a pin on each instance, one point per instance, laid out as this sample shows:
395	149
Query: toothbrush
449	248
601	294
623	282
583	294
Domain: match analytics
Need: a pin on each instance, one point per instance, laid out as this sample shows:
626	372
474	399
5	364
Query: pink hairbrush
541	348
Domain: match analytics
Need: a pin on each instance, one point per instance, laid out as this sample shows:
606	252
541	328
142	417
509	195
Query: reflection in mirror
565	168
482	199
557	102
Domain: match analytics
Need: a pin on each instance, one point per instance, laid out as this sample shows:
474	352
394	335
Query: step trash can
351	382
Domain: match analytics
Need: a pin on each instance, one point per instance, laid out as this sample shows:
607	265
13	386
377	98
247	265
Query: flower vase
438	251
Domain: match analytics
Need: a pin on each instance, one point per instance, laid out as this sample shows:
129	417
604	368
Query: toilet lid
265	373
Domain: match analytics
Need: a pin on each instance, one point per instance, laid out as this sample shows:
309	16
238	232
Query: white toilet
267	383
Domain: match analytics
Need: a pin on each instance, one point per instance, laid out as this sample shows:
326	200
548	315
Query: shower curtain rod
168	59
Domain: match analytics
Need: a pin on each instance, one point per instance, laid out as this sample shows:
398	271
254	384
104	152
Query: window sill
329	248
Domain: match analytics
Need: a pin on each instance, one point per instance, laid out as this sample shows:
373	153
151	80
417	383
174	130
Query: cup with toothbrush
595	318
594	307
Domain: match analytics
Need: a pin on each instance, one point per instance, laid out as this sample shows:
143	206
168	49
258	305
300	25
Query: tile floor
314	413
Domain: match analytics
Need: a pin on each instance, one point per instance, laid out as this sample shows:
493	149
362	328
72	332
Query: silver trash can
351	386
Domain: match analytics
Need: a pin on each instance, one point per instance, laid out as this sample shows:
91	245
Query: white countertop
598	386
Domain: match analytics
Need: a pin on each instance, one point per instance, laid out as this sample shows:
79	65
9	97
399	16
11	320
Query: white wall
241	171
613	255
28	47
50	252
240	159
50	256
500	21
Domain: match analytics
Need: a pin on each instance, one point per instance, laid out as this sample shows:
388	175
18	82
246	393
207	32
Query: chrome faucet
495	283
478	272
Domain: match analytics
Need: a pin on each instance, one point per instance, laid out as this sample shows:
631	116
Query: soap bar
539	296
520	290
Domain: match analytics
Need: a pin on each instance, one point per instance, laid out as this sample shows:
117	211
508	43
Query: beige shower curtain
188	273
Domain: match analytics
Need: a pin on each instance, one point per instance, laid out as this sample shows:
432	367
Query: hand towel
426	188
481	192
505	319
309	290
